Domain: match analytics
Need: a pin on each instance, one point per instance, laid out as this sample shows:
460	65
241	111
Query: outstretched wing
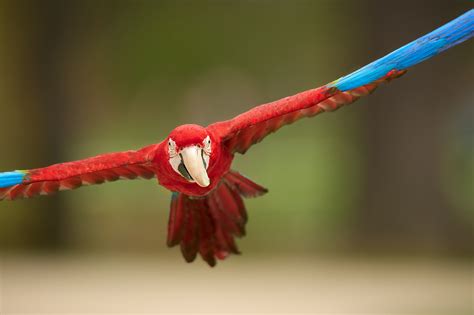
241	132
71	175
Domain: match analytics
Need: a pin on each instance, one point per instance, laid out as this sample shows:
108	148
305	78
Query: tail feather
223	234
228	206
239	203
226	243
206	239
190	239
219	214
208	225
176	220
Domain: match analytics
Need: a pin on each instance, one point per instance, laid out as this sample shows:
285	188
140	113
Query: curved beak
192	159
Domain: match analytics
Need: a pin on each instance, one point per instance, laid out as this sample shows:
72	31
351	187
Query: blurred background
376	215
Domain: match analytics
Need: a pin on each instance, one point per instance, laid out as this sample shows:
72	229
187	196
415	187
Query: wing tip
8	179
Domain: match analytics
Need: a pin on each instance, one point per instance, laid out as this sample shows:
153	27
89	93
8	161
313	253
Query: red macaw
194	162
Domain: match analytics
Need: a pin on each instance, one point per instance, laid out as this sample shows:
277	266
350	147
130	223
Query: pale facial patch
179	166
206	151
175	159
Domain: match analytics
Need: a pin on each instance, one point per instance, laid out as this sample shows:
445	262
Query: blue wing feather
8	179
448	35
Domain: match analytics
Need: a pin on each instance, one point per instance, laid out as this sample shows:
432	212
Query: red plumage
207	209
207	225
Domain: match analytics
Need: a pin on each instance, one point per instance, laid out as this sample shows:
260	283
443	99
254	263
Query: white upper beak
192	159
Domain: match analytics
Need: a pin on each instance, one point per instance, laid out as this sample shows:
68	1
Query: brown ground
58	284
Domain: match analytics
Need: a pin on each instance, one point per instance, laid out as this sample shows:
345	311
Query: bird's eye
207	145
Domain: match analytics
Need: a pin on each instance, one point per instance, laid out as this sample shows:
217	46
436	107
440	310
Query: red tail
209	224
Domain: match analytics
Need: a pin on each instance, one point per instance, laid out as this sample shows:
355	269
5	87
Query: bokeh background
370	208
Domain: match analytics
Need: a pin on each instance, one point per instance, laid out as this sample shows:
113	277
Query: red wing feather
244	186
92	171
241	132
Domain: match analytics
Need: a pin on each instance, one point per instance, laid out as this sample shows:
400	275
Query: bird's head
189	149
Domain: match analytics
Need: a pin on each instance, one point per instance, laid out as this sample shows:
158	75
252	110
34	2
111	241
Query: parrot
207	211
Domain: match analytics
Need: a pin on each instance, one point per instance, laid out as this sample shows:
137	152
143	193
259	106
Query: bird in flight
194	162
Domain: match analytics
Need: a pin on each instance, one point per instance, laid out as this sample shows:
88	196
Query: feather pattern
246	129
243	139
72	175
8	179
448	35
207	225
244	186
